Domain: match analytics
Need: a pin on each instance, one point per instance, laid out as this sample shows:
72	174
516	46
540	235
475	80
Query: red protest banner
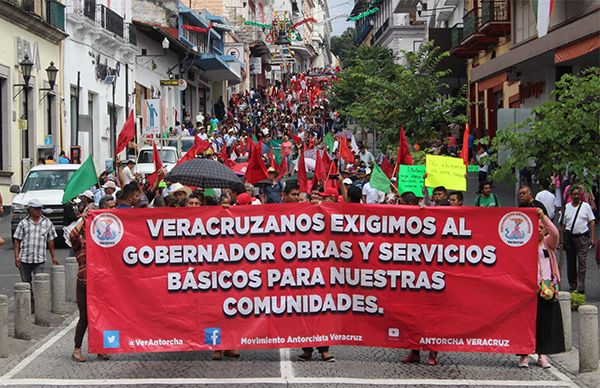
447	279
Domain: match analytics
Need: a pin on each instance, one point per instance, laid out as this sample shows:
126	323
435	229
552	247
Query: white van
145	162
46	183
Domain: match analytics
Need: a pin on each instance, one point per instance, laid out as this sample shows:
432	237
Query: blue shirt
63	160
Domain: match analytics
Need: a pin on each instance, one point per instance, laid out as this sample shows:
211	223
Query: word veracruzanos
194	248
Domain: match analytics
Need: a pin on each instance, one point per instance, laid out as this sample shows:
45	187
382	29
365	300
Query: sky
338	7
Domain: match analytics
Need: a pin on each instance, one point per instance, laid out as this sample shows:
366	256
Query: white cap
88	194
34	203
367	171
109	185
347	181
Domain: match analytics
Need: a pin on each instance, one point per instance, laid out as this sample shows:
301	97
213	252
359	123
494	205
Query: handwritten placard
410	178
445	171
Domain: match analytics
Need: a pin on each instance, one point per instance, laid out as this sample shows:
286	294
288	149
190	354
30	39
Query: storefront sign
152	116
286	276
531	90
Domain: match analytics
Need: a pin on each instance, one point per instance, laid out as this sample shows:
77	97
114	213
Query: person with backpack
486	198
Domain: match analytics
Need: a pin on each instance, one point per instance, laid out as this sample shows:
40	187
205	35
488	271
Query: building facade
33	32
513	64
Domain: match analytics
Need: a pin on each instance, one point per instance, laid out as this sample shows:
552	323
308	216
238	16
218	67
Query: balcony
473	38
457	50
495	17
49	11
111	21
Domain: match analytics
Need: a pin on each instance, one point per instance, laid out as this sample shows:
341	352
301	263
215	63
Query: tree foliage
383	95
563	133
343	45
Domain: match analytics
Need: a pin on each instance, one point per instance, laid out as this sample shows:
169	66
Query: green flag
330	142
379	180
81	180
275	145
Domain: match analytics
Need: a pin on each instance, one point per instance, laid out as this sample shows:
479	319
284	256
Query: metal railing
89	9
132	34
470	23
111	21
495	11
456	33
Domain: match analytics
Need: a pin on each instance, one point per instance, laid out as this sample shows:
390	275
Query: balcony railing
495	11
132	34
470	23
456	34
89	9
111	21
381	29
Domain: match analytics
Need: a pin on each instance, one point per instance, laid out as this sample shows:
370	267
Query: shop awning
217	67
577	49
258	48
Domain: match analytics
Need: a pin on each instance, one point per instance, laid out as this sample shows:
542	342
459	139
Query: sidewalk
45	361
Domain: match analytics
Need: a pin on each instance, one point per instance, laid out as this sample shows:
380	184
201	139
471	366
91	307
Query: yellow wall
48	52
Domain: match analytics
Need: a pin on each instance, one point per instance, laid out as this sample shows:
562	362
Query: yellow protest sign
445	171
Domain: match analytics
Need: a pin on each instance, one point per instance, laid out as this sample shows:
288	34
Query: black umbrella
203	173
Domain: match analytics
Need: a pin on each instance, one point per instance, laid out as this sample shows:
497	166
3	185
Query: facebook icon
212	336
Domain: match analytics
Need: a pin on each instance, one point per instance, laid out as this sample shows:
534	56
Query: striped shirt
34	239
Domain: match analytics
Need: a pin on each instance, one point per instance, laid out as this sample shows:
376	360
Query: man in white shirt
579	222
547	199
128	172
365	155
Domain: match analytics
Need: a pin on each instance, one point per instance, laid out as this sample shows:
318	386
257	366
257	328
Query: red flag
127	133
464	152
345	152
296	139
283	167
387	167
223	154
157	165
326	161
319	173
332	182
198	147
256	170
302	178
404	156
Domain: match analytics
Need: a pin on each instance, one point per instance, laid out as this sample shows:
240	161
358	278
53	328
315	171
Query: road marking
282	381
20	366
285	365
562	377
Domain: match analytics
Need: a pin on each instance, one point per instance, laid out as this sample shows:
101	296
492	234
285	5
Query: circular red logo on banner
515	229
107	230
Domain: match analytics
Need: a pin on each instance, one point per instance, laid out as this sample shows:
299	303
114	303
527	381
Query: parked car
145	163
46	183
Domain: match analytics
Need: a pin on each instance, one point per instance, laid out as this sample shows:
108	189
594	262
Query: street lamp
51	71
26	67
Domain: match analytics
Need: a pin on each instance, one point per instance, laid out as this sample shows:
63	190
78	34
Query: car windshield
47	180
186	144
167	156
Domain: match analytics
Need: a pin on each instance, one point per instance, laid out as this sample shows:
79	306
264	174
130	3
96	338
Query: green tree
342	46
383	95
562	133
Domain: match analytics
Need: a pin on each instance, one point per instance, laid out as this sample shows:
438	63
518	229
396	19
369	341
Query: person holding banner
549	333
77	238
